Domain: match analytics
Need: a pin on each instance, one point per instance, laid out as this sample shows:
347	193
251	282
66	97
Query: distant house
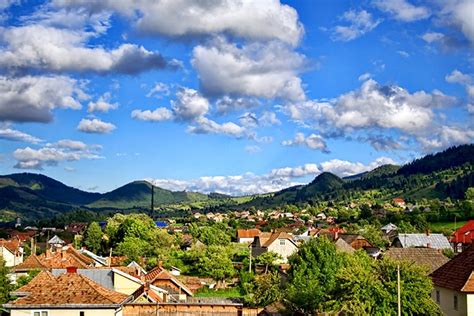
280	243
463	237
11	251
55	243
76	228
399	202
247	235
389	228
454	284
355	241
428	240
67	294
429	258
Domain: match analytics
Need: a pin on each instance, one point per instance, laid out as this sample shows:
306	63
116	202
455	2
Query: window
455	302
282	242
40	313
438	298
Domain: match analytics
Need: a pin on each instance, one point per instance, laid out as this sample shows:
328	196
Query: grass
222	293
444	226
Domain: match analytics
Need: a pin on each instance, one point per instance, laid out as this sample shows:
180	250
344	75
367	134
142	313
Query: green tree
134	248
268	259
312	276
93	237
215	262
5	285
266	289
25	279
211	235
369	287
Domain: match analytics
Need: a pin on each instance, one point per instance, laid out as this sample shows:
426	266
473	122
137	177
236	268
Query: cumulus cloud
432	37
159	90
103	104
313	141
459	14
32	98
360	22
95	126
8	133
157	115
251	120
383	143
252	149
276	179
52	154
445	137
255	20
402	10
458	77
204	125
227	104
255	70
40	47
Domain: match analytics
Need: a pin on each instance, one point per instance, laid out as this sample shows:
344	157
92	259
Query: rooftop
457	274
428	257
464	234
437	241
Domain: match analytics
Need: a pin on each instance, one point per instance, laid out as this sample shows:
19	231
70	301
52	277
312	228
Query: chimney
71	269
428	245
427	232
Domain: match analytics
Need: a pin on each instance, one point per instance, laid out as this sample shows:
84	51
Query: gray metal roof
389	227
102	276
56	241
437	241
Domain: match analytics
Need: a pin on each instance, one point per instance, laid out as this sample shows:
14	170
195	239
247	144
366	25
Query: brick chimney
71	269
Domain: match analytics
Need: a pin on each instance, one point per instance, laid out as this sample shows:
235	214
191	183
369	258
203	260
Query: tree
215	262
93	237
5	284
134	248
25	279
268	259
312	276
369	287
265	290
211	235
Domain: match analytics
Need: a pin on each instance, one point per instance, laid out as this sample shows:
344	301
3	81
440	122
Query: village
50	276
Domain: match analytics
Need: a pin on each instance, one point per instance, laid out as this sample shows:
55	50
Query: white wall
285	250
447	302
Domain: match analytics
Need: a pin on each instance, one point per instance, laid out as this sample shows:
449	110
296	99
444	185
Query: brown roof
13	245
35	284
457	274
248	233
428	257
275	236
70	289
160	273
350	238
60	259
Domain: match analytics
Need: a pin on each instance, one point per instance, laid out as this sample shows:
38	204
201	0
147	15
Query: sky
230	96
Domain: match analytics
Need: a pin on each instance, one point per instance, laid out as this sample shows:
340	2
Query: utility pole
250	258
398	291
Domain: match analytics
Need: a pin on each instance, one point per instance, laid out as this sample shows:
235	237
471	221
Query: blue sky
237	97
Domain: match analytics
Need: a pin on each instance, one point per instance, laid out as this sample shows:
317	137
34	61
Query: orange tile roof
70	289
457	274
56	260
160	273
248	233
44	277
13	245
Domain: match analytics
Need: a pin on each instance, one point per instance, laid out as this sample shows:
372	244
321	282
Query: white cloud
360	22
251	120
403	53
228	104
8	133
276	179
445	137
458	77
431	37
52	154
256	20
158	115
159	90
373	106
460	14
313	141
103	104
256	70
252	149
39	47
32	98
204	125
95	126
364	76
189	105
402	10
470	108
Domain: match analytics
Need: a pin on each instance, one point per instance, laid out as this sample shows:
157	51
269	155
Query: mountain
138	194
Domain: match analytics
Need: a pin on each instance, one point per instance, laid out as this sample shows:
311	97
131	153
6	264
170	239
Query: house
454	285
163	279
281	243
463	237
76	228
355	241
61	258
67	294
428	240
429	258
399	202
56	242
11	251
247	235
389	228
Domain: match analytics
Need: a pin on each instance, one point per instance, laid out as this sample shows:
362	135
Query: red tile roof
60	259
69	289
457	274
160	273
36	284
464	234
13	245
248	233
